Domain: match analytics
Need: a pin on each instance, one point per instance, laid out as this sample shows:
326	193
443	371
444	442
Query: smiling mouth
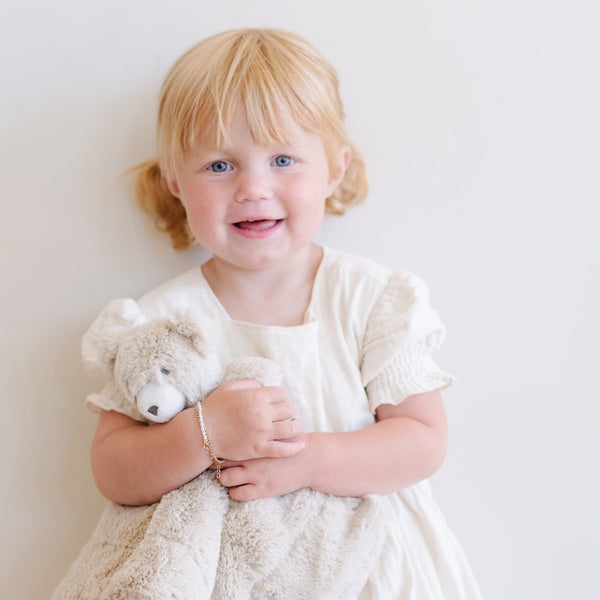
258	224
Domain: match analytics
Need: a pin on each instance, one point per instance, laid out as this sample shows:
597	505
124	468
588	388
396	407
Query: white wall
479	122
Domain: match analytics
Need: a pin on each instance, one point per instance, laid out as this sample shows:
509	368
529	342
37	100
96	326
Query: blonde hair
277	78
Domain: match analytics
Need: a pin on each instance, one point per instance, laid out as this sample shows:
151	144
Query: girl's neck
276	296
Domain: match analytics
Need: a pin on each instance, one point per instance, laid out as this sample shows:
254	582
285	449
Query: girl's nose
253	187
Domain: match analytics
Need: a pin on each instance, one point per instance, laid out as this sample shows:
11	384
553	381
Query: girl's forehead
243	129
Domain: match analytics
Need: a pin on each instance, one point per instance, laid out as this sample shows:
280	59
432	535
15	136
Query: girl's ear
173	187
197	328
338	168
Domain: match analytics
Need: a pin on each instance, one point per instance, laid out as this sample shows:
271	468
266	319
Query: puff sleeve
98	349
403	332
111	399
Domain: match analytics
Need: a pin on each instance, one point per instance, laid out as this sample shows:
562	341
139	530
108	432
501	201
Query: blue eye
219	166
284	161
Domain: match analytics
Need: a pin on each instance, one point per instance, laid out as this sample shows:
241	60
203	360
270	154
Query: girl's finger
285	430
226	465
282	411
233	476
277	449
243	493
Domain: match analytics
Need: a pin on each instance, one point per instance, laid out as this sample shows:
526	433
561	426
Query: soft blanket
198	544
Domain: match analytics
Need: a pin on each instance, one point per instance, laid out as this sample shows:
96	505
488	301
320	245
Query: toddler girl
252	151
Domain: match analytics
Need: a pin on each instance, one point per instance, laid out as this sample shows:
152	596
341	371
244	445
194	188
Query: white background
479	123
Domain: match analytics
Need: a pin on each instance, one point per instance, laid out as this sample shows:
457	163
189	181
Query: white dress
367	339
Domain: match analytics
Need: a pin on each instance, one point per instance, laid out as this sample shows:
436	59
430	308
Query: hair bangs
287	83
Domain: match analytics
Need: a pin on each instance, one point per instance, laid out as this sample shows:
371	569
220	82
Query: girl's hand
246	420
265	477
406	445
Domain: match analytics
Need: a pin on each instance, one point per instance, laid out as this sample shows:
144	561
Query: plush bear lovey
163	365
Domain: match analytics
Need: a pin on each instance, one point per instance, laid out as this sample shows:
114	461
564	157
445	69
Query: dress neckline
309	316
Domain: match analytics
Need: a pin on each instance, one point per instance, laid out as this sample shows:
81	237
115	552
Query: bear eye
164	370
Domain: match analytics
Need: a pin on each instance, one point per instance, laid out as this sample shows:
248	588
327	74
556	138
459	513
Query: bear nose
153	410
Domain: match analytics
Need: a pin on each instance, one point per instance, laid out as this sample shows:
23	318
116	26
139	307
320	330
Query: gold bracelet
207	443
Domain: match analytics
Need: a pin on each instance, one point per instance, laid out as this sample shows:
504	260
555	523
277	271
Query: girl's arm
137	464
406	445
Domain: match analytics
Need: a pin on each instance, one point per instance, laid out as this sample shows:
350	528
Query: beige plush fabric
197	544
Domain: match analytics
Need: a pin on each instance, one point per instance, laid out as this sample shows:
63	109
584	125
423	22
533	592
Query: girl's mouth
258	225
257	228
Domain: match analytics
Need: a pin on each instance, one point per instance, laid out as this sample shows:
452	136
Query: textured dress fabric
367	339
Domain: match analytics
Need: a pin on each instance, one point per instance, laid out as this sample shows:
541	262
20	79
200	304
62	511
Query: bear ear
196	327
100	343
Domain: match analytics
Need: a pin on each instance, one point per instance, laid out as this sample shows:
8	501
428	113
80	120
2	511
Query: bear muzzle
159	403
